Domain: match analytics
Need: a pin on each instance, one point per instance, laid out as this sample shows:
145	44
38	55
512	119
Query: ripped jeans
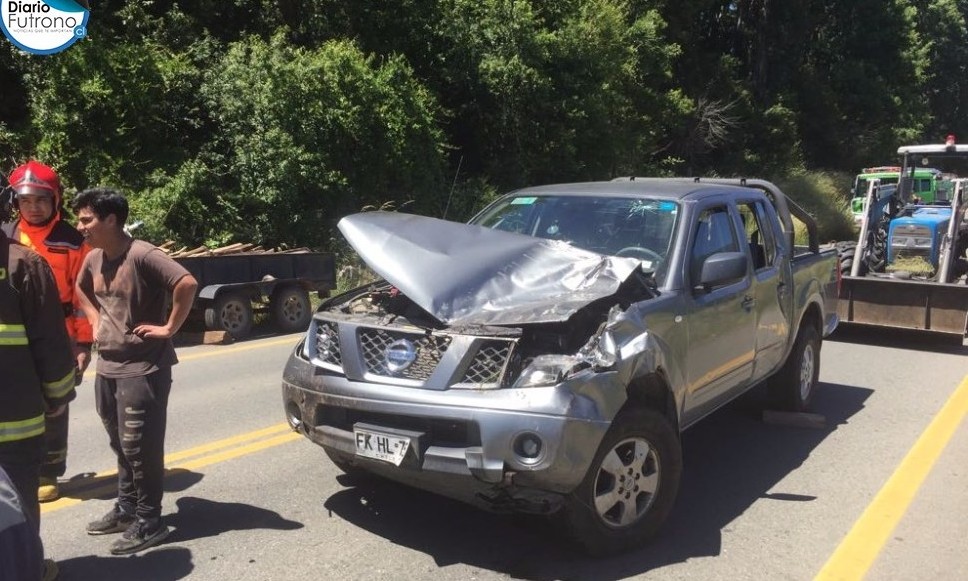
134	411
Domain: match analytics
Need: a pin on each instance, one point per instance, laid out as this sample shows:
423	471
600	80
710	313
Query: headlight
548	370
600	352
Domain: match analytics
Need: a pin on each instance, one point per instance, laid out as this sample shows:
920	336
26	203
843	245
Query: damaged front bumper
511	449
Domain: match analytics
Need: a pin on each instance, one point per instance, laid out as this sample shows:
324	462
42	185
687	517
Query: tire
231	312
793	386
876	258
597	515
845	254
289	309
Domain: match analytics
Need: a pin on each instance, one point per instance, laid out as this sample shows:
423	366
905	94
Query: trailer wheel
231	312
630	486
290	309
793	386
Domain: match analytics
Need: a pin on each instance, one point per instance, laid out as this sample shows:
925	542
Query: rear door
771	286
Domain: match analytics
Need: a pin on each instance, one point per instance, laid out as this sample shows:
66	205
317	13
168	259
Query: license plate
381	446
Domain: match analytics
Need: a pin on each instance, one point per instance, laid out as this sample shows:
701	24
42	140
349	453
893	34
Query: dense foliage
265	121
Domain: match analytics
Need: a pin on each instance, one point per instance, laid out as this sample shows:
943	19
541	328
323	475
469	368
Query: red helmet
34	175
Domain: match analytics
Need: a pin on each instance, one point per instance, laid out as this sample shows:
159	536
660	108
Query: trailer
234	287
908	267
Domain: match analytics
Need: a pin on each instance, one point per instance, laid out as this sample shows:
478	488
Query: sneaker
51	570
142	533
115	521
47	491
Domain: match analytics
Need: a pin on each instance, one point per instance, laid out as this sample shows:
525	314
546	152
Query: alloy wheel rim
806	372
627	483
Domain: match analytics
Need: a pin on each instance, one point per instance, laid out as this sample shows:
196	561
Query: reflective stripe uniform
64	249
36	363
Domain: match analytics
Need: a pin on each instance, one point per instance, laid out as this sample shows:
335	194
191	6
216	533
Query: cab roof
666	188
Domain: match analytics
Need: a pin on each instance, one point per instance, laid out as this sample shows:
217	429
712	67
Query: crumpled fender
601	393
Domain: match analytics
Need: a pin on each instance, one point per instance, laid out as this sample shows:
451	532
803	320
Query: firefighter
42	227
36	365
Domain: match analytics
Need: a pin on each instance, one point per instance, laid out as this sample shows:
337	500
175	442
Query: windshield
640	228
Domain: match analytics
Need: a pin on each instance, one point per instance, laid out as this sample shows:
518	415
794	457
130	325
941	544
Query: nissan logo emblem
399	355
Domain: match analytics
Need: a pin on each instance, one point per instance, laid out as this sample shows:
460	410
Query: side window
759	236
714	233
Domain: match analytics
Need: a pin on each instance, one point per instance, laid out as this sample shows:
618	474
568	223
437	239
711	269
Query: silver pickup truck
545	357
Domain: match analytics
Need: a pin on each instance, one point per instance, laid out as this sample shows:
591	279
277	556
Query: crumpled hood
470	275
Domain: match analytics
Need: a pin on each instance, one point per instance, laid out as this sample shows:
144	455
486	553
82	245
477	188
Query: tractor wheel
876	258
845	254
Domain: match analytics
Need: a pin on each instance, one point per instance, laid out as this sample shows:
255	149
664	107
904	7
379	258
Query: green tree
943	24
301	138
541	92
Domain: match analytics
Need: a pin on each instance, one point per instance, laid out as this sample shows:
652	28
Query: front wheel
794	384
630	487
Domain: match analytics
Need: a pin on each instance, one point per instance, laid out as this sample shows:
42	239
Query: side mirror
723	268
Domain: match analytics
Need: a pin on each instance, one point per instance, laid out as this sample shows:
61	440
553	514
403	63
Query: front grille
429	350
327	343
913	231
487	367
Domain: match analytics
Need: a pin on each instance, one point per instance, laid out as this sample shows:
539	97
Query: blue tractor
908	267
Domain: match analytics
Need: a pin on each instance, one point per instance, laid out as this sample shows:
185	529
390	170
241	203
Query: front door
721	320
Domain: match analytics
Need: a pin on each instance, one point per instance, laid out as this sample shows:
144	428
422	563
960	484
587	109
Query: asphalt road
879	490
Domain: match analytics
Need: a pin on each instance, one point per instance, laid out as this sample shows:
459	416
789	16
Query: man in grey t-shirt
123	286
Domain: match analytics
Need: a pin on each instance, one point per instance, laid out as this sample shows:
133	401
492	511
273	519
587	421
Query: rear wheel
231	312
289	309
794	384
630	486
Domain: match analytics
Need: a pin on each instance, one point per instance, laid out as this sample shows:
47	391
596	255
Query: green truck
930	185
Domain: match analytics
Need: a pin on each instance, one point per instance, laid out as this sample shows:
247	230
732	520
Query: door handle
748	302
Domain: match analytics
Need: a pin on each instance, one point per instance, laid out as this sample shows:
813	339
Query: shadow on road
164	564
88	486
198	518
899	338
732	460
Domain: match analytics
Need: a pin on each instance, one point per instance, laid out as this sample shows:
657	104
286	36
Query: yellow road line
237	348
859	549
226	449
219	444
